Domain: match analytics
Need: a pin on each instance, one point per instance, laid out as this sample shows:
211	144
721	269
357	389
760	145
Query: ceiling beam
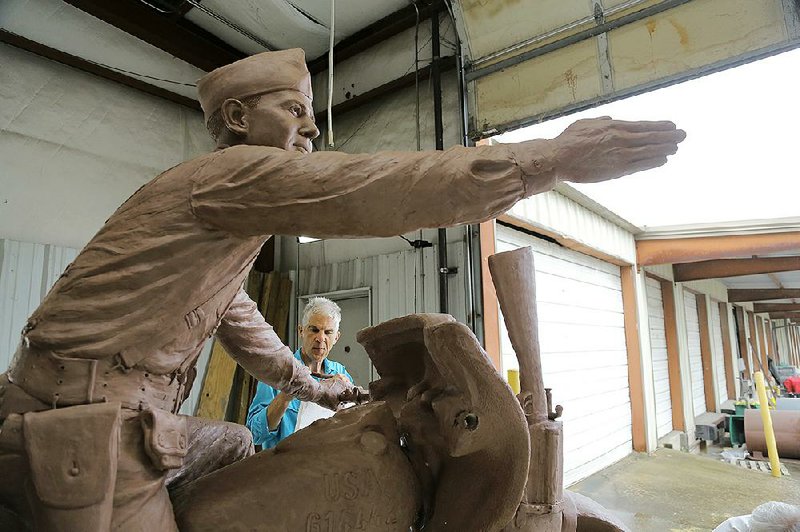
784	315
738	295
776	307
693	249
93	68
377	32
715	269
171	33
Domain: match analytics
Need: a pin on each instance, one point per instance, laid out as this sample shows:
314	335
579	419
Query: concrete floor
677	491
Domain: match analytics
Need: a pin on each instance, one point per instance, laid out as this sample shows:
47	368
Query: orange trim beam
784	315
724	321
705	353
635	378
561	239
758	308
491	312
715	269
673	358
740	295
677	250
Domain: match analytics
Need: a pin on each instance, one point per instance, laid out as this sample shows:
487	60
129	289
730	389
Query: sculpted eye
296	110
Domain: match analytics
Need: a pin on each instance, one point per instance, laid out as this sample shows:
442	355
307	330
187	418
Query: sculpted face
282	119
317	337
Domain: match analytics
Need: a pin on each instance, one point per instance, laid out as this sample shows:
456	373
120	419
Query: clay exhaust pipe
546	506
514	279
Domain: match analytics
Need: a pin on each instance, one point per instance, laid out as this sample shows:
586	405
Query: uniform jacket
165	272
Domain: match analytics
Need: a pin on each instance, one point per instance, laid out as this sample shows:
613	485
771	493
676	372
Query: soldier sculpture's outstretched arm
252	190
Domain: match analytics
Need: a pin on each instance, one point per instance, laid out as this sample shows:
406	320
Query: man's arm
264	433
252	342
276	410
252	190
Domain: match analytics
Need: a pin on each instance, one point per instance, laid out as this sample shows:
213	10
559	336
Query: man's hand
599	149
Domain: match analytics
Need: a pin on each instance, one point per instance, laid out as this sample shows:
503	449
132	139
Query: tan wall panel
694	35
492	25
553	81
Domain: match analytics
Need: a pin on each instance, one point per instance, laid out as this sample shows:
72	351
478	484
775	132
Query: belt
61	381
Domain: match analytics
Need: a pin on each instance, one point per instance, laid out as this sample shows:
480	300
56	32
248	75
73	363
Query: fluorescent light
307	239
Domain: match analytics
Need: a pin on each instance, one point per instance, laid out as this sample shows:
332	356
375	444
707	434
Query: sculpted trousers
141	499
141	495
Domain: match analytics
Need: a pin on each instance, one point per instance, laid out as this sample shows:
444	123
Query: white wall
74	146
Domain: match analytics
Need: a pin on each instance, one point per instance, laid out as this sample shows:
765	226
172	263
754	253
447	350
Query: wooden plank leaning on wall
635	377
673	356
491	311
705	353
727	349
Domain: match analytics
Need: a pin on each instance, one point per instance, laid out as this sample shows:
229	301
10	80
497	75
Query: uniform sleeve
257	417
253	190
252	342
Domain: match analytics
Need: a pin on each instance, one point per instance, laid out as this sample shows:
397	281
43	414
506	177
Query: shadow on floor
677	491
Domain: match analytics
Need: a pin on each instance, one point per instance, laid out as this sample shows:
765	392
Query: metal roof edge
731	228
588	203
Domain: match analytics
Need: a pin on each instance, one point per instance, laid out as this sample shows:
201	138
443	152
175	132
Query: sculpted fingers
674	137
644	126
650	151
646	164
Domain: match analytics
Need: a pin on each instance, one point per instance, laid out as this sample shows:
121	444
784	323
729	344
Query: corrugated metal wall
695	354
658	347
27	271
402	283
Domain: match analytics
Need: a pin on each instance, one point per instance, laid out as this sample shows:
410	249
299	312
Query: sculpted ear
234	116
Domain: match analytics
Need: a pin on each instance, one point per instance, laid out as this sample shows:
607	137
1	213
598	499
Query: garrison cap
257	74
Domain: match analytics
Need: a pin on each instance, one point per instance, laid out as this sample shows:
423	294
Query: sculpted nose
309	129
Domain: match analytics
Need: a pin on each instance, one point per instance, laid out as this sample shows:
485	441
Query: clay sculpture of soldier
89	405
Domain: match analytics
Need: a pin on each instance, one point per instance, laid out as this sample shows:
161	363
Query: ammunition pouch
72	454
165	438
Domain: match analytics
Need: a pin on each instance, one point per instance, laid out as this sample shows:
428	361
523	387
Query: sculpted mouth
302	148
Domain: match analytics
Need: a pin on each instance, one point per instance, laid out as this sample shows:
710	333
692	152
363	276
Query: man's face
282	119
318	337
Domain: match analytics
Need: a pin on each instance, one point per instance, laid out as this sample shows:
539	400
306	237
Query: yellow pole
513	380
772	447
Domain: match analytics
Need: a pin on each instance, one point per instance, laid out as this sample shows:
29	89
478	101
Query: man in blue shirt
272	415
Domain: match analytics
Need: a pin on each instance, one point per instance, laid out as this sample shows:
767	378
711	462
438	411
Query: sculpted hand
599	149
332	391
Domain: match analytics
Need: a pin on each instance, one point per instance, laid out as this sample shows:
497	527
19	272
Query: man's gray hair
324	306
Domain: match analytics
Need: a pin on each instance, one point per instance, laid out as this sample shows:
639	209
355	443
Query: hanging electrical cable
330	75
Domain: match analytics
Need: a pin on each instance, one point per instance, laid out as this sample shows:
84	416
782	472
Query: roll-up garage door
695	356
658	347
584	357
719	353
529	60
